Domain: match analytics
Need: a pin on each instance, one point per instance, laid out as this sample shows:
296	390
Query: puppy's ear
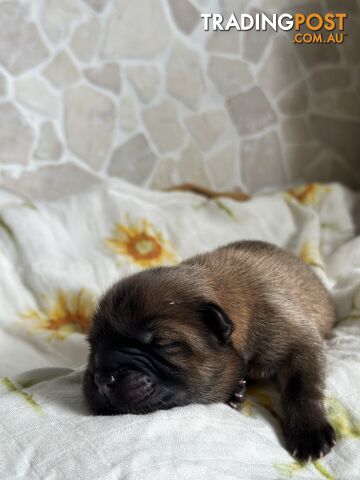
217	321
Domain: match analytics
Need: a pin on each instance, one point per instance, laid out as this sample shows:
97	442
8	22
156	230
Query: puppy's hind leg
308	434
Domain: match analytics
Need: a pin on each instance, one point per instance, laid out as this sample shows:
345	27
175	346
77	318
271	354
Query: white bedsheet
56	258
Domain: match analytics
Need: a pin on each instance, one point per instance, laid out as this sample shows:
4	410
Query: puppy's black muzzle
130	380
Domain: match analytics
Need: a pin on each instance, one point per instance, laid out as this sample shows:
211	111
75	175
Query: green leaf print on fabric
320	468
262	397
343	421
226	209
221	205
30	204
354	313
290	470
335	227
345	425
7	229
11	387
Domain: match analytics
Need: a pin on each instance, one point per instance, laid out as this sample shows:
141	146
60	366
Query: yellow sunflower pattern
67	313
259	395
308	194
310	254
142	245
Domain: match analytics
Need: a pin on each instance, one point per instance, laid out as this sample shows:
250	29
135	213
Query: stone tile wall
136	89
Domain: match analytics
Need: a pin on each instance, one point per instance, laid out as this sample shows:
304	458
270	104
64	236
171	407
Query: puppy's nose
105	382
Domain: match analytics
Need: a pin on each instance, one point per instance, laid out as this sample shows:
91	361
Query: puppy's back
268	277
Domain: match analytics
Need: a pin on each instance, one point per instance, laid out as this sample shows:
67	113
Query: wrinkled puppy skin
172	336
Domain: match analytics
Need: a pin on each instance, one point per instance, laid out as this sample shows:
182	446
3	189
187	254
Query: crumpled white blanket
57	257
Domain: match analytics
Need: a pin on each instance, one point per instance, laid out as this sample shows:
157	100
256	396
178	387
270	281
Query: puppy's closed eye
168	345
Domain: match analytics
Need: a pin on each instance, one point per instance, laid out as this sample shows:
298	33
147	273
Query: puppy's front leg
307	432
238	395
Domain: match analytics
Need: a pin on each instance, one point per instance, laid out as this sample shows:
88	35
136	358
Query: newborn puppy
191	333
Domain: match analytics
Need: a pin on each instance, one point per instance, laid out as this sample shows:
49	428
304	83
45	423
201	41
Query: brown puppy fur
171	336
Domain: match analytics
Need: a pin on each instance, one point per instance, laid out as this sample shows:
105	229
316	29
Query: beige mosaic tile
184	76
308	163
299	161
134	160
222	167
251	111
191	167
351	47
338	172
206	128
346	143
85	40
50	182
16	135
295	130
89	124
318	55
57	18
145	79
162	124
95	88
280	68
344	102
106	76
226	7
262	155
295	100
186	16
97	5
224	42
21	46
254	43
3	85
127	115
49	146
132	35
229	76
34	94
165	174
337	5
61	72
330	79
335	170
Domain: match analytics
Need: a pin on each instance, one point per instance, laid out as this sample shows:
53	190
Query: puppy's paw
238	396
309	445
